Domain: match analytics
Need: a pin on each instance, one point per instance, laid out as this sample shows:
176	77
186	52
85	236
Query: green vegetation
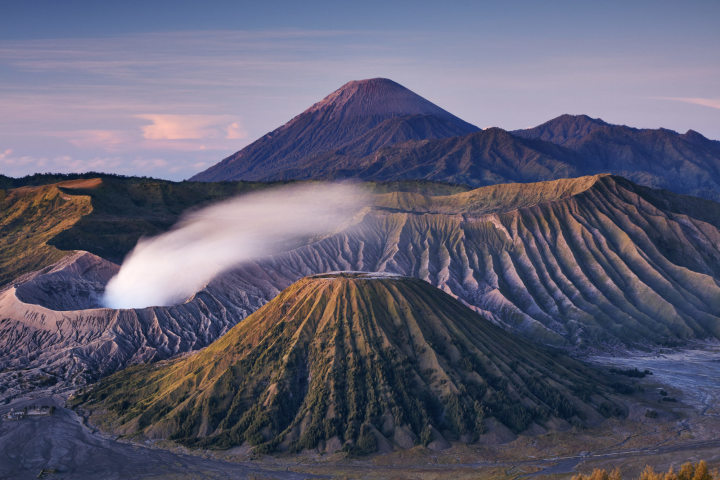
349	358
126	209
29	218
43	217
631	372
688	471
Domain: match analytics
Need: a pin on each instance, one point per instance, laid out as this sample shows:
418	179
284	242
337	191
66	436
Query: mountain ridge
413	139
586	264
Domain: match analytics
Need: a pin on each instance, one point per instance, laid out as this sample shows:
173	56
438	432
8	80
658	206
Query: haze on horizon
167	89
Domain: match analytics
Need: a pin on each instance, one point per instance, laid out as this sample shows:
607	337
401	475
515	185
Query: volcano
359	117
353	361
377	130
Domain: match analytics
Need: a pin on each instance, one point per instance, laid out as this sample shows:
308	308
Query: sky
168	88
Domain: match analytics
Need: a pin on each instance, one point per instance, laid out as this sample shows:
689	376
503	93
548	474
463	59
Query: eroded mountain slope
358	118
54	333
589	263
30	217
581	261
355	361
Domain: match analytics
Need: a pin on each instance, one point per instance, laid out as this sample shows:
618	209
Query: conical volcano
361	116
352	361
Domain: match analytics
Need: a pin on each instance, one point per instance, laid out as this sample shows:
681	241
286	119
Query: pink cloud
236	131
105	139
190	127
705	102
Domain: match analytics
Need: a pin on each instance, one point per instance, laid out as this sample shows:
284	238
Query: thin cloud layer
190	127
705	102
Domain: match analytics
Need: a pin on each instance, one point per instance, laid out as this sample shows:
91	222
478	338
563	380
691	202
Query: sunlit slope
588	261
29	218
351	360
42	222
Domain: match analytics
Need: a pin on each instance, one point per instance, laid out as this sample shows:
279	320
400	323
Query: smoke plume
169	268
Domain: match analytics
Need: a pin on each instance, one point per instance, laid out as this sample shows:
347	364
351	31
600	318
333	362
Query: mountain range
378	130
443	311
586	264
356	119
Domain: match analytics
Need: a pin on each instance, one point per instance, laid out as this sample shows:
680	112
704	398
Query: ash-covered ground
693	373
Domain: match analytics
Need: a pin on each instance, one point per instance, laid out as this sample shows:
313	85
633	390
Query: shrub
688	471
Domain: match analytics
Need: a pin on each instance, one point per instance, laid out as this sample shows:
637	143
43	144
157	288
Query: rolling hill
353	361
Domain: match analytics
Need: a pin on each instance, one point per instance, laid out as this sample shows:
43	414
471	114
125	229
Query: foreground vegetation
688	471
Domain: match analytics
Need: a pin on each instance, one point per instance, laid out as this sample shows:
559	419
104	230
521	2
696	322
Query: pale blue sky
168	88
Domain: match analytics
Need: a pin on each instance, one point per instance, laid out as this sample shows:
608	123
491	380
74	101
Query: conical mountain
347	118
352	361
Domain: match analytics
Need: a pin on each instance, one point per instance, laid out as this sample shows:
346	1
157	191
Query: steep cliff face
355	361
30	217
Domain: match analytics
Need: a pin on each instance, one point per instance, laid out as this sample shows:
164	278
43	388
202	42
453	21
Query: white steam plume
169	268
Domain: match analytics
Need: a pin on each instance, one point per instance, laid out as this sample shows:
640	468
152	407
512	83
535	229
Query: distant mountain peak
346	118
694	135
376	96
581	118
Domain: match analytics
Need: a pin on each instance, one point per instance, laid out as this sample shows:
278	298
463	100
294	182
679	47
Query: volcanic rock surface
55	332
591	263
355	361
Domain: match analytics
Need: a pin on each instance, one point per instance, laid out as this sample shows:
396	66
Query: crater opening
75	283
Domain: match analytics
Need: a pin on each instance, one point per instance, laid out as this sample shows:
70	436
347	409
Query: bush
631	372
688	471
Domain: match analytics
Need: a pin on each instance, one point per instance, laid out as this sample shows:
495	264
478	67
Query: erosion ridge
30	217
589	263
353	361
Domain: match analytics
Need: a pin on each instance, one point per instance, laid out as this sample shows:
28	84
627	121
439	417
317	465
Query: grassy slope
41	216
29	218
44	217
125	209
343	357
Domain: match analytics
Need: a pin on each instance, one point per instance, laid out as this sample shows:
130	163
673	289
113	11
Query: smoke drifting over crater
167	269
